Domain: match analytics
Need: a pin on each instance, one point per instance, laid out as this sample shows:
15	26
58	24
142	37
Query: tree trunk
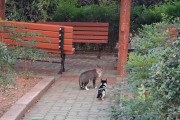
2	9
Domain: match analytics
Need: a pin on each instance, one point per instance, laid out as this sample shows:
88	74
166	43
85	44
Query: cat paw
86	88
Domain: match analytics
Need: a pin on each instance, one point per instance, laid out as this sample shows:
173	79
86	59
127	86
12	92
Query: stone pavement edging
17	111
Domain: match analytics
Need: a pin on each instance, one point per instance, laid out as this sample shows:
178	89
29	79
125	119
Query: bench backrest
50	43
85	32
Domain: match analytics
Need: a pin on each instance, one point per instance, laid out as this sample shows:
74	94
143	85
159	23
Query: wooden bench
59	38
85	32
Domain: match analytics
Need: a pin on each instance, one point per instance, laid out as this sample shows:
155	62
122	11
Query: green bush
154	76
69	12
141	15
30	10
6	61
172	9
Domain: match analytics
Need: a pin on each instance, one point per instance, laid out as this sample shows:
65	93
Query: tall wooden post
2	9
123	36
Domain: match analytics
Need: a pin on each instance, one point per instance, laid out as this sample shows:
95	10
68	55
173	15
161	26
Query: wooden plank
84	24
52	34
90	37
90	41
48	34
89	33
53	46
41	45
2	9
91	28
50	40
36	26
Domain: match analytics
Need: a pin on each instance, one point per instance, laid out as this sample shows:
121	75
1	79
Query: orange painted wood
87	32
48	34
90	33
49	43
50	40
54	46
172	33
41	39
124	29
2	9
90	41
40	45
35	26
90	37
91	28
84	24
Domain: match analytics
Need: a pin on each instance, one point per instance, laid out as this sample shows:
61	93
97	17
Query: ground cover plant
154	76
23	50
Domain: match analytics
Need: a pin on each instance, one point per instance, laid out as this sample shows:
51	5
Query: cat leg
103	95
85	86
94	83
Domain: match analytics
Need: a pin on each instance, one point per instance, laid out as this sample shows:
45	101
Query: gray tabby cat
90	75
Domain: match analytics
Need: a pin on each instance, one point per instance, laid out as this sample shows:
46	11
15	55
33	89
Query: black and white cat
102	89
90	75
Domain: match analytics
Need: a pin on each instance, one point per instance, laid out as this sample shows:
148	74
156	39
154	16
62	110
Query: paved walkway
64	100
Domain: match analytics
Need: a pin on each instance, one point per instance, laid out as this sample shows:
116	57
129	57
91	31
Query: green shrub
6	61
172	9
30	10
153	70
68	11
24	49
141	15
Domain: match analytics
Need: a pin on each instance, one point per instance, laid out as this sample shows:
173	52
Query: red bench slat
90	41
90	33
86	32
84	24
90	28
90	37
46	27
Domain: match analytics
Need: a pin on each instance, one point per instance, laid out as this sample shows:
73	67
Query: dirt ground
9	96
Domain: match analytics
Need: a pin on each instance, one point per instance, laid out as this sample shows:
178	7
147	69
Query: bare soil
9	96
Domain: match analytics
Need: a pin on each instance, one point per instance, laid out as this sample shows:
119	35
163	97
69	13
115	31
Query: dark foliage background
142	12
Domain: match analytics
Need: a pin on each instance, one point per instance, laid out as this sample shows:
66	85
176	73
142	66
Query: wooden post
124	28
2	9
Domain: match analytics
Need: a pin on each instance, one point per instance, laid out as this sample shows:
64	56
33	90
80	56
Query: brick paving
64	100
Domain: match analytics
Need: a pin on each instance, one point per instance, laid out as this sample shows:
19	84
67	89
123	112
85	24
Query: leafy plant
30	10
6	61
153	70
25	41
